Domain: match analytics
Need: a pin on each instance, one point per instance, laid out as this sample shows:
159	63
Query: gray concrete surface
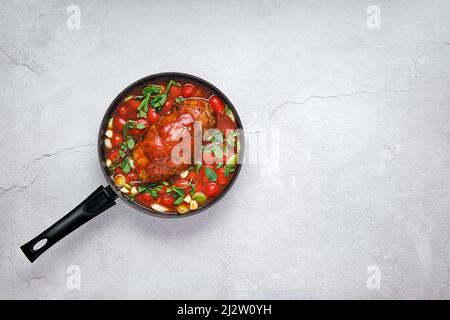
360	189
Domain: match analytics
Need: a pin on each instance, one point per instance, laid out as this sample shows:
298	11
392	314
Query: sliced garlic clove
187	199
133	191
108	162
158	207
184	174
109	133
193	205
132	164
124	190
108	143
110	123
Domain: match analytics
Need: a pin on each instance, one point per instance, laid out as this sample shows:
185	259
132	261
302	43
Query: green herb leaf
178	191
140	126
153	193
178	201
179	99
151	89
197	167
170	84
158	101
219	166
142	189
143	107
121	153
126	167
130	143
212	176
218	152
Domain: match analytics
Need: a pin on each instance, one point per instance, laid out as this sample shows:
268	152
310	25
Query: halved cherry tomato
181	183
192	176
119	171
188	90
152	116
216	104
201	174
167	106
119	123
123	110
163	190
144	197
114	154
134	104
166	199
132	176
211	189
221	179
116	140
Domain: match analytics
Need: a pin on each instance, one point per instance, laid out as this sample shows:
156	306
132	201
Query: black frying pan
104	197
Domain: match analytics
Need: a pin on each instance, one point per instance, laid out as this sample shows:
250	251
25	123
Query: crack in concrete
359	92
17	63
21	188
49	155
413	46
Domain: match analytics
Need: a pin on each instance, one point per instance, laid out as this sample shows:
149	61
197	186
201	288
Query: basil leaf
142	189
178	201
179	99
130	143
178	191
121	153
158	101
153	193
152	89
212	176
171	83
197	167
140	126
143	107
126	167
218	152
219	166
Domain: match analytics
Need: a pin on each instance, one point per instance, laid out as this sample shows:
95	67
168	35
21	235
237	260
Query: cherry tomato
132	176
181	183
162	191
202	176
216	104
211	189
221	179
134	104
123	110
166	199
167	107
152	116
116	140
144	197
192	176
114	154
119	123
187	90
119	171
135	132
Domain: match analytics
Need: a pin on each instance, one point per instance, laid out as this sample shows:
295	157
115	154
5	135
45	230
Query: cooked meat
152	154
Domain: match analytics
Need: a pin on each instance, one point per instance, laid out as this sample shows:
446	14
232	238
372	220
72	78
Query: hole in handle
41	243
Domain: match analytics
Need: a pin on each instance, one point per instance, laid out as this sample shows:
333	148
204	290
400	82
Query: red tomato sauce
190	189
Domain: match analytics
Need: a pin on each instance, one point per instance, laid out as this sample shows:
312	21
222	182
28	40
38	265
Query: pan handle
100	200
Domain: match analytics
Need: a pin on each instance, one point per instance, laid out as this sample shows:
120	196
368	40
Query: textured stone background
363	175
